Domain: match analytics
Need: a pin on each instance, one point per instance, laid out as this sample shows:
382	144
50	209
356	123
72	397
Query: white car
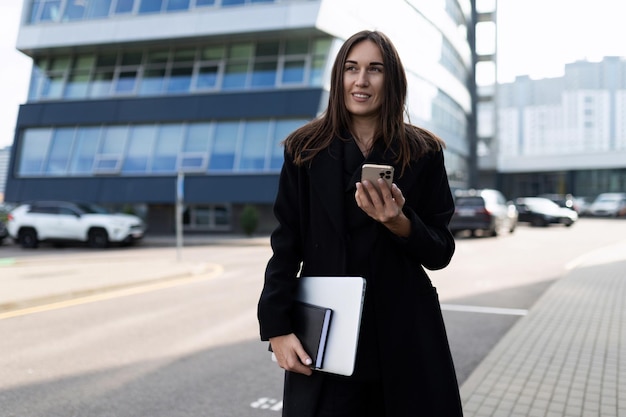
58	221
608	204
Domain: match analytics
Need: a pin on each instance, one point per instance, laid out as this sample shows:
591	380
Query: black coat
417	370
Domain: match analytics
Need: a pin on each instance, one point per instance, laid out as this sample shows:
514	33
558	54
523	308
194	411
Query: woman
331	223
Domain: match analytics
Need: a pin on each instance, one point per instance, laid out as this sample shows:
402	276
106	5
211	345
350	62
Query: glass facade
250	65
45	11
242	146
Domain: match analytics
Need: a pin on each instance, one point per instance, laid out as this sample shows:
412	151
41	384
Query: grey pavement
566	357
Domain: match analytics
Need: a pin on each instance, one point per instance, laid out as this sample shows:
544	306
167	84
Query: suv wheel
98	238
28	238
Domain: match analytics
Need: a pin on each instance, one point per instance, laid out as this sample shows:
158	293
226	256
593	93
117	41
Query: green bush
249	219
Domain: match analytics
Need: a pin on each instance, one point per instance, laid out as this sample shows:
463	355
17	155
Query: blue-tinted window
50	11
254	146
84	150
167	148
126	82
60	149
235	76
207	77
140	145
293	71
177	5
197	138
101	86
264	74
282	129
98	8
150	6
124	6
224	145
180	80
75	10
35	146
232	2
205	2
152	82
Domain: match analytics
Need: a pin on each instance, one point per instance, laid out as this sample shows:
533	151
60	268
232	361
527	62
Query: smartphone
372	172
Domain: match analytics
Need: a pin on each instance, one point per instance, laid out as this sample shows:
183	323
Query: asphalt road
192	349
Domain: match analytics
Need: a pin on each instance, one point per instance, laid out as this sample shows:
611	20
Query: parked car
539	211
563	200
3	231
484	210
608	204
59	221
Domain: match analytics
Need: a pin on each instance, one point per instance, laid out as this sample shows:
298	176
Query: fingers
381	205
290	354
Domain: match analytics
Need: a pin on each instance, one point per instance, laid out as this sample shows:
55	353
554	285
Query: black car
485	211
540	211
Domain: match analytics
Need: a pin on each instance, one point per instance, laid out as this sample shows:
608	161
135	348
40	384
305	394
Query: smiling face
363	80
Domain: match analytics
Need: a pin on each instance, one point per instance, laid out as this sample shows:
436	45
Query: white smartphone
372	172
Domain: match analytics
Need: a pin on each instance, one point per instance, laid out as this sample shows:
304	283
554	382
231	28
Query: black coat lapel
326	176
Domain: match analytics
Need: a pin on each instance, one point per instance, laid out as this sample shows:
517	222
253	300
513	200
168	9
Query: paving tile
565	357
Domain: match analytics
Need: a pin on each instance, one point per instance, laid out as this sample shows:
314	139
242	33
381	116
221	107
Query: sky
535	38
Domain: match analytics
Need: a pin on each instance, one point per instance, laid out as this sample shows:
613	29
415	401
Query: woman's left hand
384	207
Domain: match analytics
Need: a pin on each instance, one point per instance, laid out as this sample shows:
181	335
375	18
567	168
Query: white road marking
485	310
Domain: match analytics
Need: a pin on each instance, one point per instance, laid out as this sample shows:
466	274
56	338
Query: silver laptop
344	295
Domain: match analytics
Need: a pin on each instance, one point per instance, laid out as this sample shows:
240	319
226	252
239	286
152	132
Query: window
238	66
224	143
60	151
150	6
109	157
236	71
194	156
78	80
254	146
97	8
54	80
34	150
75	10
207	217
124	6
281	131
167	148
140	145
173	5
84	150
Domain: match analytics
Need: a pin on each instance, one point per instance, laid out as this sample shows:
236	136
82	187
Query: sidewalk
567	357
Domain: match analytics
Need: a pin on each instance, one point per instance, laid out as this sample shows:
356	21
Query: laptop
345	296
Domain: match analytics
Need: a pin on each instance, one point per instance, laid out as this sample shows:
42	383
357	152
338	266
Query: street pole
180	197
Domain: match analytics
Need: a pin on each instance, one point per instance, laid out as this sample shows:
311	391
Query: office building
564	135
4	169
126	96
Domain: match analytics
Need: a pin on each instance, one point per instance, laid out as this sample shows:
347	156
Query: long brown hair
409	141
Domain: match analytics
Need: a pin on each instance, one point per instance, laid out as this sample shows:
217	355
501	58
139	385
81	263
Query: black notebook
311	325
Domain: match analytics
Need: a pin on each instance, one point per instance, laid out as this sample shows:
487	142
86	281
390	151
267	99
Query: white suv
57	221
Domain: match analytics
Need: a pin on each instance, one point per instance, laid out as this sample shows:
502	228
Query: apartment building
127	96
565	134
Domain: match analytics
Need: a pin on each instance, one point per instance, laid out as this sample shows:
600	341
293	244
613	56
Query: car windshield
469	201
609	199
93	209
541	204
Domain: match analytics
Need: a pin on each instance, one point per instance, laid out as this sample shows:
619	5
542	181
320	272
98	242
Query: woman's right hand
290	354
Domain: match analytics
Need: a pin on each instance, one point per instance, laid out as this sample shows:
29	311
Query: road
192	349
